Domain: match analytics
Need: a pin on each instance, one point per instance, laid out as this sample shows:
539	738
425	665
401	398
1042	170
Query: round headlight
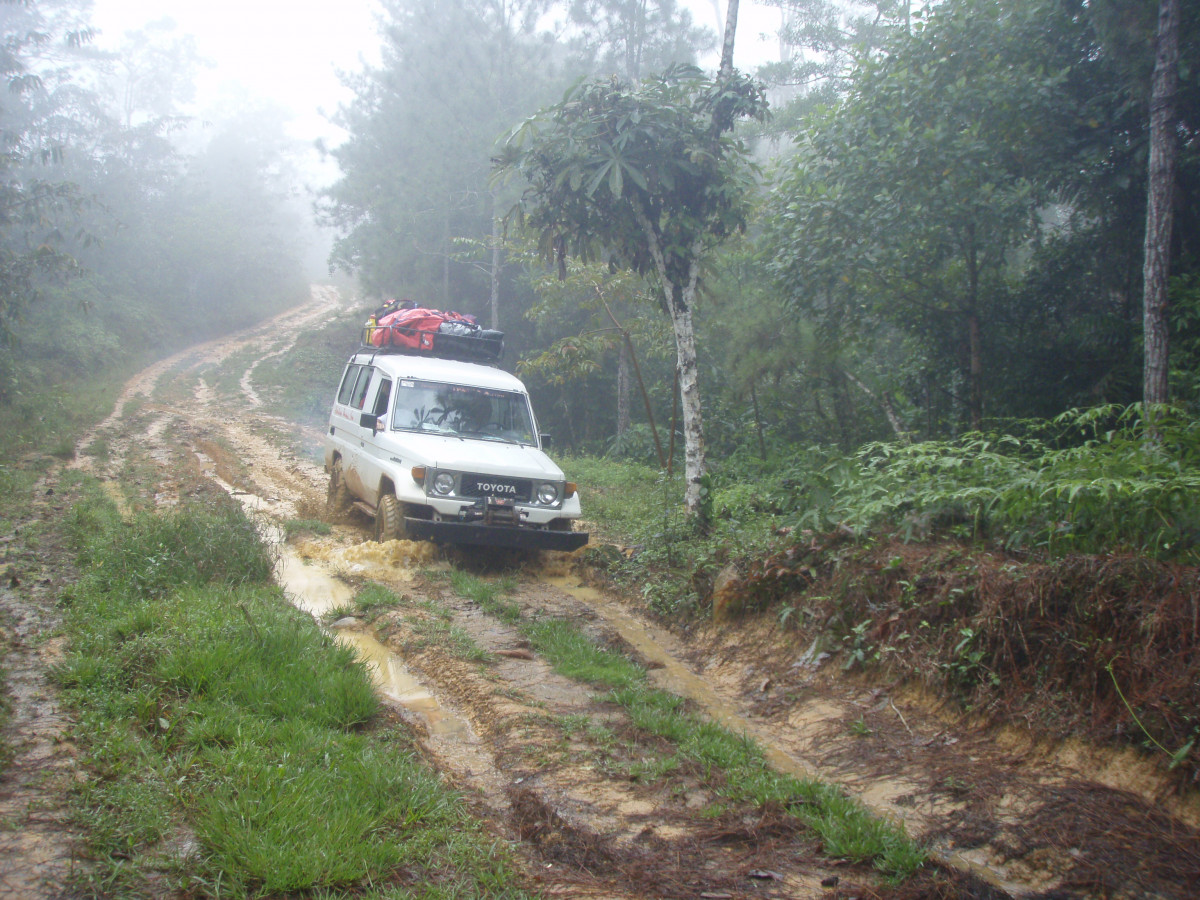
443	483
547	494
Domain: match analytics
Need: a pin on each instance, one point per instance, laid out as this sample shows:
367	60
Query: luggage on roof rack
416	329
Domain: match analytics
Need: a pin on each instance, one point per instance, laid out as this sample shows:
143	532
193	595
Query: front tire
389	519
337	501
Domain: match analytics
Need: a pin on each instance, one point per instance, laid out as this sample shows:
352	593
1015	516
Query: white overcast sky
290	50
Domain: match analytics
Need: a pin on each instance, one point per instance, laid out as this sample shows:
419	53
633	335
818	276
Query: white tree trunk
680	301
731	17
1160	192
494	302
694	464
623	389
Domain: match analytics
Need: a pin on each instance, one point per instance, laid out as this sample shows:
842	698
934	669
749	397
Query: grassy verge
49	421
670	563
734	761
232	748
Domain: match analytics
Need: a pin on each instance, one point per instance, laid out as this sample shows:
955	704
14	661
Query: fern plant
1088	481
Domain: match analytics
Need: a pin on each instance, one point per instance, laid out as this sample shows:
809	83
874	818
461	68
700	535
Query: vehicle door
351	419
343	417
377	447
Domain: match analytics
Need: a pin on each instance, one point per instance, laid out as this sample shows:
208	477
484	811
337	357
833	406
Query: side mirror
368	420
544	439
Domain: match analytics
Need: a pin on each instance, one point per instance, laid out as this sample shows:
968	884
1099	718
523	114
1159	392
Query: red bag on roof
412	328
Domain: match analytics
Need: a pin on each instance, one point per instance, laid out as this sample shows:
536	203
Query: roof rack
480	345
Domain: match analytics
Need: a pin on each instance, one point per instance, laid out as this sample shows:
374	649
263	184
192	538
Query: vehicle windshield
453	409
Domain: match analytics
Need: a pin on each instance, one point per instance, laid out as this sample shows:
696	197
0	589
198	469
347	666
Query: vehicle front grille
472	485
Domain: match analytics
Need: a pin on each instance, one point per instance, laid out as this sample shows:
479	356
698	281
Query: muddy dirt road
558	769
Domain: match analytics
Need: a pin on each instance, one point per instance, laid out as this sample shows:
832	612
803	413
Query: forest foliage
940	240
128	226
947	228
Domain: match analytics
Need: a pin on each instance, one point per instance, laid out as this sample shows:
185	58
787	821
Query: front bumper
516	537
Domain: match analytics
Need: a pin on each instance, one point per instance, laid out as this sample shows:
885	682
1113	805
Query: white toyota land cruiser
441	450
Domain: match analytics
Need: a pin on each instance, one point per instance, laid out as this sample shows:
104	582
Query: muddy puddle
319	592
315	587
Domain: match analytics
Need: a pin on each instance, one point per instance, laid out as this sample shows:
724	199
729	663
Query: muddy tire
337	501
389	519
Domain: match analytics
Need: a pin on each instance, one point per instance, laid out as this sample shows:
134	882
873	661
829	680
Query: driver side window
382	396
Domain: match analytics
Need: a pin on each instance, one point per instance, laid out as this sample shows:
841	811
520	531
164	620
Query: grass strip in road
847	829
232	748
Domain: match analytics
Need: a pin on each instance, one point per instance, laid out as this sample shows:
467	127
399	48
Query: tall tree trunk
623	389
974	341
975	348
758	424
680	301
494	302
731	17
694	464
1160	213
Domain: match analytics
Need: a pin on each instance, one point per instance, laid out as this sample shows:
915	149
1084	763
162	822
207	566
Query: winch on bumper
493	522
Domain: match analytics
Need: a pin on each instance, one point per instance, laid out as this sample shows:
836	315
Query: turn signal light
418	474
570	489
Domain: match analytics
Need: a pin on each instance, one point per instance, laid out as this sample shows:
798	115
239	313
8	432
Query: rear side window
347	388
360	387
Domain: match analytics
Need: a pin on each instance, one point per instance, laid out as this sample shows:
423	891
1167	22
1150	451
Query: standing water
318	592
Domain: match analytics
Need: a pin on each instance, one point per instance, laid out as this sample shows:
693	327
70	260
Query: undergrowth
1088	481
208	707
1047	574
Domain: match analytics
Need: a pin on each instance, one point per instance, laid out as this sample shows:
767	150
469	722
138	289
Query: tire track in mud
1023	825
37	840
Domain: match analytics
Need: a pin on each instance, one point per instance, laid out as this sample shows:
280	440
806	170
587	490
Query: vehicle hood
469	455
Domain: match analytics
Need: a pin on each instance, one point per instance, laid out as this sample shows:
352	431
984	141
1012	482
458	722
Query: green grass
50	420
639	507
293	527
303	380
206	705
625	498
737	763
450	637
488	595
372	597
